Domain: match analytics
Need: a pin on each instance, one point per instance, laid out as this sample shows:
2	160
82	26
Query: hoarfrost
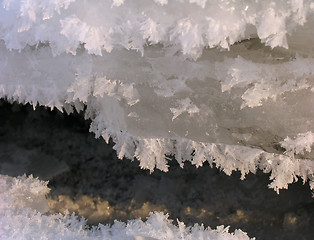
191	79
23	204
184	105
23	192
303	142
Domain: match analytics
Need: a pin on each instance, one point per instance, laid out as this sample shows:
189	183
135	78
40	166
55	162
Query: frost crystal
303	142
228	82
22	192
21	200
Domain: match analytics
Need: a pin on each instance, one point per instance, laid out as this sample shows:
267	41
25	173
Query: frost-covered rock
21	217
23	192
228	82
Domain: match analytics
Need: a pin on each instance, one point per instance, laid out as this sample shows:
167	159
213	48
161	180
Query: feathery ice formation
228	82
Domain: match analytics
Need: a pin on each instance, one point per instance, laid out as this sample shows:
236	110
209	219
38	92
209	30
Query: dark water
85	176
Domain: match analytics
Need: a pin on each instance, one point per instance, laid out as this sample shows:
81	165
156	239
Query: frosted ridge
20	220
187	26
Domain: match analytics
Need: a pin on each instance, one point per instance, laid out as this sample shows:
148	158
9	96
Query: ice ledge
133	99
154	153
231	108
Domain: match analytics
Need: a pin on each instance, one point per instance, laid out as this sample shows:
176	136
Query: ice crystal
23	201
228	82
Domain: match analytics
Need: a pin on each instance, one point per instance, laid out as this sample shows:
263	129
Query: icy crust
21	220
184	25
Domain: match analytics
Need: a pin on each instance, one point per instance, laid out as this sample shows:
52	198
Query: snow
22	192
23	203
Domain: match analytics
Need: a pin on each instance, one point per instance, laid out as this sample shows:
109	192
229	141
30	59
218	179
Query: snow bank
219	81
22	216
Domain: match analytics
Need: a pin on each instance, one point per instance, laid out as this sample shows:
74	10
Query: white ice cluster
22	217
228	82
303	142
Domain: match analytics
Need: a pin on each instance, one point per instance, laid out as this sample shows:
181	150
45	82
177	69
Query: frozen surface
227	82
